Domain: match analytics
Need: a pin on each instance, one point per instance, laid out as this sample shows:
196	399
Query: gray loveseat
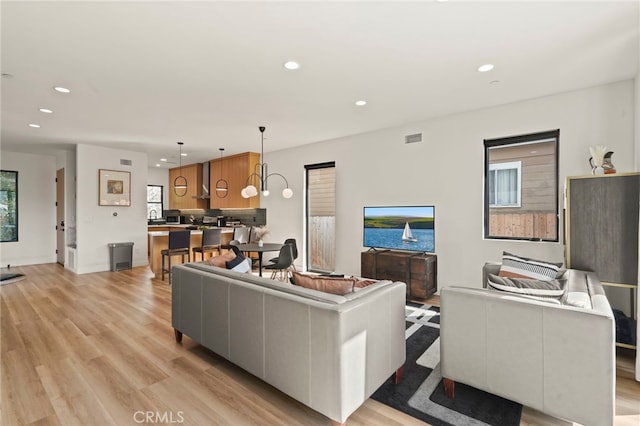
555	358
327	351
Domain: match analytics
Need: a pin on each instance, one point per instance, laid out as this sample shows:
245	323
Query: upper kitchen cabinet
193	174
235	169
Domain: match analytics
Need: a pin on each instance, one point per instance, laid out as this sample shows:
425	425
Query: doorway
60	251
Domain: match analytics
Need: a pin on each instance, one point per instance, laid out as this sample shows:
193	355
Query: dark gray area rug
421	392
10	278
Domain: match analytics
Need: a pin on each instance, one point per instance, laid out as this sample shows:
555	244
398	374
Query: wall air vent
124	162
417	137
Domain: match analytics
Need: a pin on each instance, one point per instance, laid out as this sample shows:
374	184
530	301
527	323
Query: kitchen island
159	240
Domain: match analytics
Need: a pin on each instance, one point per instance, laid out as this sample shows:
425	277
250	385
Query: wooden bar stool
211	239
179	244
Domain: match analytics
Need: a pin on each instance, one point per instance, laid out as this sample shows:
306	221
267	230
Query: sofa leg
178	335
449	387
397	376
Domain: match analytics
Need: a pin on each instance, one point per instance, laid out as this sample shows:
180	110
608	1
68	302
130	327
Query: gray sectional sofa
327	351
556	358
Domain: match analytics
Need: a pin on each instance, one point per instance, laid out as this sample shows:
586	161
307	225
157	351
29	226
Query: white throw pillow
514	266
244	266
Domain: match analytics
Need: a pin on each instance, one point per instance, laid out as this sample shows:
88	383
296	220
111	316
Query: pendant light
262	175
222	186
180	183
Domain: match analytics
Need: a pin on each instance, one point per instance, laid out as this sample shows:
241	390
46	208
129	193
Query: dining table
260	249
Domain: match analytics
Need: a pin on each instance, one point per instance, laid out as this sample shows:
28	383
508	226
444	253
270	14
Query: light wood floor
98	349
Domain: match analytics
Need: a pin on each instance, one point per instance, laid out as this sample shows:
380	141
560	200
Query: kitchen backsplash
249	217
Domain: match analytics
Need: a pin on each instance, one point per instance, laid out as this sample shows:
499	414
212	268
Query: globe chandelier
261	175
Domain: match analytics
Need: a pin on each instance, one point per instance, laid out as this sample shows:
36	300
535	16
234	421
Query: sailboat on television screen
407	236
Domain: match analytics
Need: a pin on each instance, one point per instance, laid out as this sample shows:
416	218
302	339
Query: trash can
120	256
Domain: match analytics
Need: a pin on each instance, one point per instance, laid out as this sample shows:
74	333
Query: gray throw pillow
527	287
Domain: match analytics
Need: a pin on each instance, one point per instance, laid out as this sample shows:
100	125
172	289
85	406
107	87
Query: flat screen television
409	228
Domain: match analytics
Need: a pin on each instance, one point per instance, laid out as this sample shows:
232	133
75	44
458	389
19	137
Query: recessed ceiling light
35	126
157	165
61	89
485	67
361	103
46	110
291	65
163	159
184	154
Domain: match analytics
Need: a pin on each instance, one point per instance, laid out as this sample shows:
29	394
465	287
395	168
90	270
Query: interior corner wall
637	119
447	170
97	226
637	169
36	210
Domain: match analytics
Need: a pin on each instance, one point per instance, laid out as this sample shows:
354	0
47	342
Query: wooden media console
417	270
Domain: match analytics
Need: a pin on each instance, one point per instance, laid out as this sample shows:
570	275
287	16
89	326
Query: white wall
160	176
36	210
446	170
97	225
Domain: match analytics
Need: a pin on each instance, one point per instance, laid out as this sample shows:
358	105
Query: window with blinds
321	216
504	184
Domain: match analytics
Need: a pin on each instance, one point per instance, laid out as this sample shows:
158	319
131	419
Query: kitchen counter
158	228
159	240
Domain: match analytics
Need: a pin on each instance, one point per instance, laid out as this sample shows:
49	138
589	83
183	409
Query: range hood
204	191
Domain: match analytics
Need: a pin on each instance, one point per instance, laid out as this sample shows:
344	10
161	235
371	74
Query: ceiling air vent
124	162
417	137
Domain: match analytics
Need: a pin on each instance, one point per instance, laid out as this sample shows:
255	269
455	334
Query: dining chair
294	251
211	239
253	234
283	266
242	234
179	245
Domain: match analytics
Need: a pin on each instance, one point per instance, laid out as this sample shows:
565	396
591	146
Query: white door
60	215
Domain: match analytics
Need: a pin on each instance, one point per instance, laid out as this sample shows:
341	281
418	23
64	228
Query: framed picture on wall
114	188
